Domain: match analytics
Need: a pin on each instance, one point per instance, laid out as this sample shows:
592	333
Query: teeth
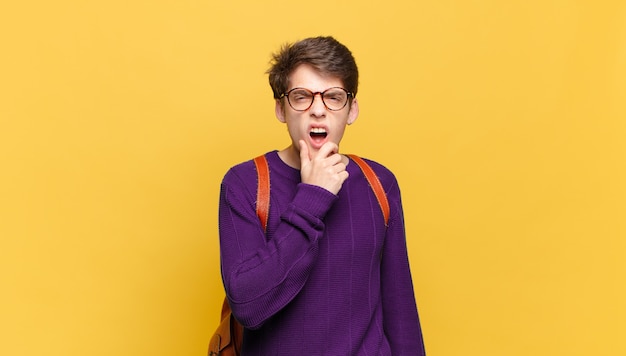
318	130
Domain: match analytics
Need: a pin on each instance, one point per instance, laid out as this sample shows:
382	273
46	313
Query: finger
343	175
335	158
328	149
339	167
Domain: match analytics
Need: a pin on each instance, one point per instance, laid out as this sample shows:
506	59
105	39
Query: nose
318	108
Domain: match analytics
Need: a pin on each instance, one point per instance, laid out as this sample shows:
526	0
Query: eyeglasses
301	99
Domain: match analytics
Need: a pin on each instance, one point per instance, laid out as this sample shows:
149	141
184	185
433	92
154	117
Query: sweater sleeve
401	320
262	276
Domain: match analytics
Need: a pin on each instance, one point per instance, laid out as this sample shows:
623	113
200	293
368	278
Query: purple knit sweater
328	278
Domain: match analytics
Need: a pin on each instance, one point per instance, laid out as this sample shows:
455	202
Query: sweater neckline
281	168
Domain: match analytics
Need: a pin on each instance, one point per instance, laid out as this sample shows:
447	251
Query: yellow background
504	121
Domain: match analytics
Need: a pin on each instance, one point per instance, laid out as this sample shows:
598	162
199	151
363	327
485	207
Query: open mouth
318	133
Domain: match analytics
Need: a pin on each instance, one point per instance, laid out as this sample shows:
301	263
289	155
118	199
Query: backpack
227	339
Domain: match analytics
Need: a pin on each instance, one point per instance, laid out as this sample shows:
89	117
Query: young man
327	277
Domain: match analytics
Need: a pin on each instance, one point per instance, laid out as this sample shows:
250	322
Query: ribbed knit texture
328	278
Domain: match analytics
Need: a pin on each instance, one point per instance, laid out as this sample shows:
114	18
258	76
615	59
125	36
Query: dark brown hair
325	54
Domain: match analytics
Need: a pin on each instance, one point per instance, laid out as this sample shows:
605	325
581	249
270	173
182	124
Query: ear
354	111
280	111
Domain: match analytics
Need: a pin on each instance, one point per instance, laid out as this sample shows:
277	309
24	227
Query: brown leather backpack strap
374	182
263	190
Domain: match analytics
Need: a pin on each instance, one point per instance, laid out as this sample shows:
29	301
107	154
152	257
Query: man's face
318	124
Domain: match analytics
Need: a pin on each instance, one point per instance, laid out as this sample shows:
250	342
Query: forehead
305	76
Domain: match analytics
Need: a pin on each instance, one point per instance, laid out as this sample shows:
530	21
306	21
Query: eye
300	95
336	96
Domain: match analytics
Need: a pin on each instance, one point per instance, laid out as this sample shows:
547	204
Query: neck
291	156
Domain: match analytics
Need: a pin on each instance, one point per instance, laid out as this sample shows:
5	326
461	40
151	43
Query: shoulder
384	174
240	172
241	178
246	173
